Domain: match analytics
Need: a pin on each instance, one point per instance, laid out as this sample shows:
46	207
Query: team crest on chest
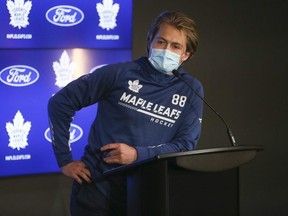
134	86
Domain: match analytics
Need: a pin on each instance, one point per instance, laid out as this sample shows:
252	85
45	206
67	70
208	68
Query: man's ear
186	56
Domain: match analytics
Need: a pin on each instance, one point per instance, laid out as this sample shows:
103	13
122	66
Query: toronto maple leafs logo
18	132
107	13
134	86
63	70
19	11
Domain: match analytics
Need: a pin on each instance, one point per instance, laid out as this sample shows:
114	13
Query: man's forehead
171	33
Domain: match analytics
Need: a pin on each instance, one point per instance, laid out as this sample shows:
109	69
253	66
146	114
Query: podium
199	183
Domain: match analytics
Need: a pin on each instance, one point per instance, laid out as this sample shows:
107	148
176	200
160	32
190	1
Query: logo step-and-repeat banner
66	23
44	45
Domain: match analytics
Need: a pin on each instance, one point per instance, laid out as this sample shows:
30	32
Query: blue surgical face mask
164	60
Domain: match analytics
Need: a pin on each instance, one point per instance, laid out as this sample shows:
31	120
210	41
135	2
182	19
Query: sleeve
84	91
186	136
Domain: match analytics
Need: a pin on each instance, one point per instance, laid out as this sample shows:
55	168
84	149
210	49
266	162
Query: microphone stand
229	131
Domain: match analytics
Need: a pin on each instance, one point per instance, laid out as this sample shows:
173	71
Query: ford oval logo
76	133
19	75
64	15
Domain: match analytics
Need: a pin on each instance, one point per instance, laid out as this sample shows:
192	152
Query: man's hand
119	153
78	171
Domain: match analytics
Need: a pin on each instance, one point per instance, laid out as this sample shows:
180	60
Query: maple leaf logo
18	132
134	86
19	12
107	13
63	70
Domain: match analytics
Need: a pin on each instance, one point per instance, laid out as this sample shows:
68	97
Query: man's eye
177	47
161	42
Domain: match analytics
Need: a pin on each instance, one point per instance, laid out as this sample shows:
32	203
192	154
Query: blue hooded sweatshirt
137	105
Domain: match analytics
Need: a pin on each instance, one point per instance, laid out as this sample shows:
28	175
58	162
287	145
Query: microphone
229	132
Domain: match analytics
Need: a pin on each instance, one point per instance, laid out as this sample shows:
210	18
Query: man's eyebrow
177	43
160	38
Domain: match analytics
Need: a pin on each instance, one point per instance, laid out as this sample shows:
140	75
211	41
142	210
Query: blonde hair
181	22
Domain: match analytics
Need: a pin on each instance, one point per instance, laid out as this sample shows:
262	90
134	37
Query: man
143	111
